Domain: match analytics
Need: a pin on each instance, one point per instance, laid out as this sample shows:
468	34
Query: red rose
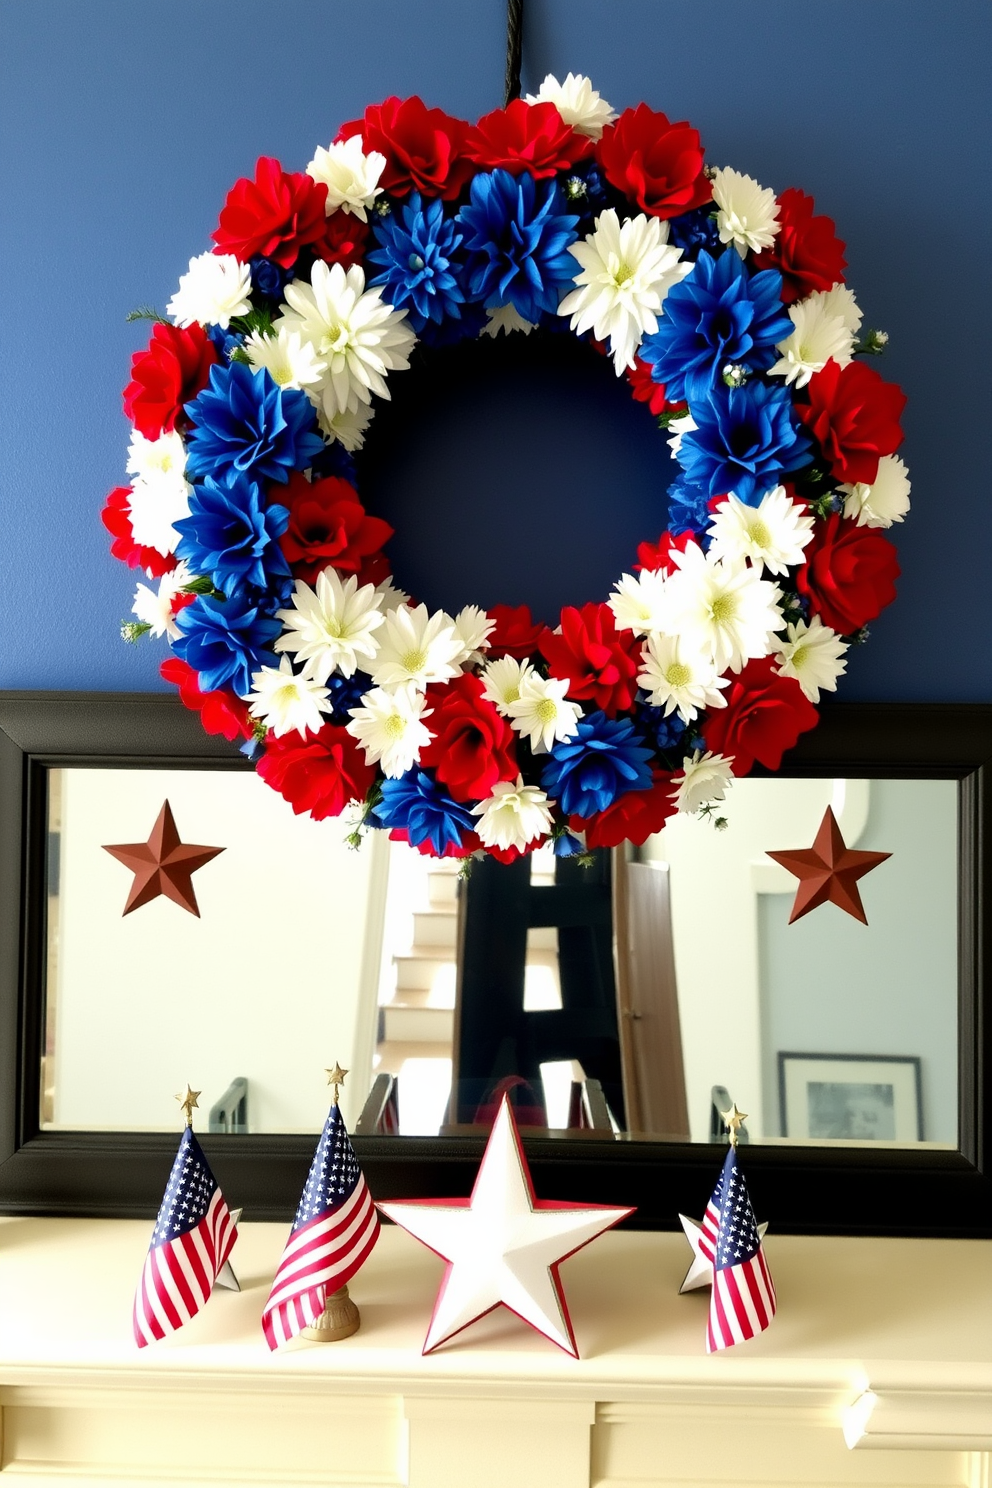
598	661
275	215
807	251
116	517
531	137
646	390
345	240
472	748
319	774
764	716
516	634
653	556
633	817
657	164
854	414
220	712
171	371
327	525
849	574
424	148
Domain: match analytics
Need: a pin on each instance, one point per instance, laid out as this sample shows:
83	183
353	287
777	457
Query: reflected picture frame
851	1097
799	1188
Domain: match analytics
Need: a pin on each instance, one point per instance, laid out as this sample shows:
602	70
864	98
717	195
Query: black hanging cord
514	46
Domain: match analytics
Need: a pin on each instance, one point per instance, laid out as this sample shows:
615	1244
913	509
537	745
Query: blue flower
719	314
418	806
586	773
694	230
267	277
420	273
665	730
224	641
347	692
567	846
688	507
746	439
224	341
233	537
244	421
517	239
334	459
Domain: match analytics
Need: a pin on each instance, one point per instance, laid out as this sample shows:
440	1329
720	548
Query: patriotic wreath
726	310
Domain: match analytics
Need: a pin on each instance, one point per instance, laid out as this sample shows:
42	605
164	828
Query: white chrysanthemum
150	458
840	301
578	103
817	336
416	647
346	425
773	533
812	654
353	330
351	176
638	604
285	701
703	780
677	429
724	609
885	501
748	213
155	504
503	679
390	728
676	677
215	289
289	360
625	273
331	628
473	628
154	606
542	713
505	318
513	816
390	596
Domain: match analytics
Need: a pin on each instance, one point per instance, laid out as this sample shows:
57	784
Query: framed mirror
621	1002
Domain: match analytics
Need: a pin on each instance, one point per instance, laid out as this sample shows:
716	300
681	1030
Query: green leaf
146	312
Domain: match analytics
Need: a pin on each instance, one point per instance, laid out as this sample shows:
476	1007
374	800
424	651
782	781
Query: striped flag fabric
335	1228
711	1220
192	1239
742	1301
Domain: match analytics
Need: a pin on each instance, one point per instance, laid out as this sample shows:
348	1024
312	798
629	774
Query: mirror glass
624	998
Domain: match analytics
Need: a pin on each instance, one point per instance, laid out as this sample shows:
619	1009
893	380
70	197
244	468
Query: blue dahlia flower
517	238
243	421
586	773
232	537
420	273
416	803
347	692
267	277
225	341
665	730
688	507
719	314
746	439
694	230
225	640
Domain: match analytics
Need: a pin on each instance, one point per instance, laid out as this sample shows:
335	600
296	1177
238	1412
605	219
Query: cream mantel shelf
882	1344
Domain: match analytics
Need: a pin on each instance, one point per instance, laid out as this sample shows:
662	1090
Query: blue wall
123	124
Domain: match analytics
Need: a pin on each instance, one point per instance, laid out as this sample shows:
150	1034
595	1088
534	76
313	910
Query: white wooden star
700	1272
502	1246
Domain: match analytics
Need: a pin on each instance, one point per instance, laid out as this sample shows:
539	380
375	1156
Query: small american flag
334	1231
742	1302
711	1220
192	1239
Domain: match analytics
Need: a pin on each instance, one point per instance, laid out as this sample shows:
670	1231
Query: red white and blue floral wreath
724	307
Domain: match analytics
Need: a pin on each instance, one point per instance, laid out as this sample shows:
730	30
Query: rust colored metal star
829	870
162	865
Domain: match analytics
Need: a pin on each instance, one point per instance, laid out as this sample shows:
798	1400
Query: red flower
531	137
516	634
173	368
764	716
220	712
849	574
116	517
644	387
657	164
424	148
657	555
807	251
345	240
632	817
327	524
469	844
374	569
599	661
854	414
275	215
319	774
472	747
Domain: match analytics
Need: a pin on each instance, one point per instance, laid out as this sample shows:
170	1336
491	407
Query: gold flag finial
335	1077
733	1120
188	1102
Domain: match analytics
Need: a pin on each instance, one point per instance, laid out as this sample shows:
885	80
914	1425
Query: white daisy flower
676	677
390	728
391	597
704	780
505	318
578	103
289	360
353	330
351	176
154	607
513	816
677	428
155	505
723	609
812	654
817	336
150	458
347	425
502	680
541	713
748	215
840	301
416	647
285	701
773	533
473	628
638	603
625	273
331	628
215	289
885	501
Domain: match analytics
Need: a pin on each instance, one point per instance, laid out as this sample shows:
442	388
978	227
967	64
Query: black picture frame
912	1062
799	1189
